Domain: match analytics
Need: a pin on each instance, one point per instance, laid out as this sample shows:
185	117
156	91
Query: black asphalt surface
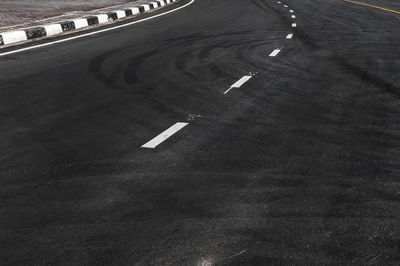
299	166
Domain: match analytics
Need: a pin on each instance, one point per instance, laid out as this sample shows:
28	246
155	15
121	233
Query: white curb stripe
53	29
14	36
135	10
80	23
120	13
94	32
103	18
146	7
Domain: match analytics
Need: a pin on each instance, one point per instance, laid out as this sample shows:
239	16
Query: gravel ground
16	12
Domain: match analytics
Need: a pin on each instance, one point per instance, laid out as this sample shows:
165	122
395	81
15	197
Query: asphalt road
298	166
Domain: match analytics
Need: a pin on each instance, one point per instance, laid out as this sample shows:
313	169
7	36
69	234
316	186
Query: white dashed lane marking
239	83
275	52
289	36
164	135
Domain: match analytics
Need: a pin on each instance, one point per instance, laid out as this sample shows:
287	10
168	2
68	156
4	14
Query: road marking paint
146	7
291	11
279	2
239	83
289	36
120	13
135	10
164	135
80	23
14	36
285	6
293	16
94	32
53	29
275	52
103	18
294	25
378	7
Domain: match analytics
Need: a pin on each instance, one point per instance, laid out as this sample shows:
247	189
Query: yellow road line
378	7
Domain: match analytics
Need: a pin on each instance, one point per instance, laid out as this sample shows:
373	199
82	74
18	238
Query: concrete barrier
120	14
14	36
80	23
92	20
17	36
146	7
103	18
53	29
35	33
67	25
135	10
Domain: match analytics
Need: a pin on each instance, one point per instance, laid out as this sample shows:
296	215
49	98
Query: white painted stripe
293	16
94	32
103	18
162	3
168	1
164	135
13	36
285	6
120	13
53	29
135	10
155	4
239	83
80	23
275	52
289	36
279	2
294	25
146	7
291	11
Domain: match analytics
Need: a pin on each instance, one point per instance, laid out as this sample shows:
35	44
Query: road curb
39	32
